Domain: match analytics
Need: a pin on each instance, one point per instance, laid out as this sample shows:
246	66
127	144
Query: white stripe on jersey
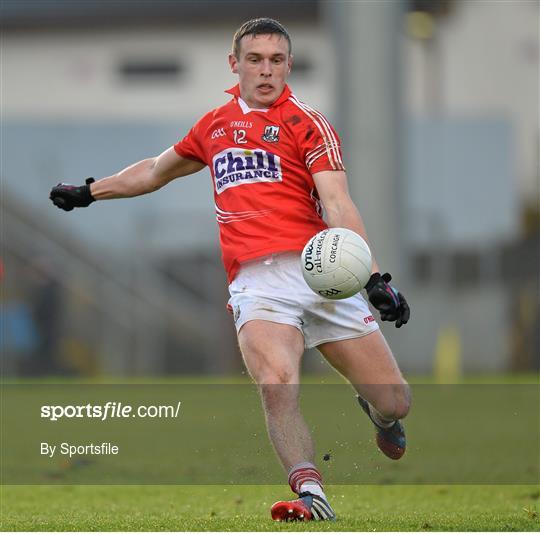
318	148
238	219
308	154
315	154
321	127
226	217
325	129
235	213
331	139
313	160
334	142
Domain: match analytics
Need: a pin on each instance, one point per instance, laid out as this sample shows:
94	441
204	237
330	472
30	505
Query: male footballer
276	163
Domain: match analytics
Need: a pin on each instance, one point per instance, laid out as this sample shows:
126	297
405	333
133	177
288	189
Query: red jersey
261	163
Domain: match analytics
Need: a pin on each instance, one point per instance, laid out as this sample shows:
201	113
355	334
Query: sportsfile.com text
109	410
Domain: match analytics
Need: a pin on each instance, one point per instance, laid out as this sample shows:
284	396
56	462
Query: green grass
376	507
246	508
220	438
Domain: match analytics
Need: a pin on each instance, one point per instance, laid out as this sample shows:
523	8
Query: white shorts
272	288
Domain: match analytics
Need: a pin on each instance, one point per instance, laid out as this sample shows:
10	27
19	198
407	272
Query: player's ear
233	62
289	63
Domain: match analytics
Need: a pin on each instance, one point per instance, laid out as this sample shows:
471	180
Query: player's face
263	65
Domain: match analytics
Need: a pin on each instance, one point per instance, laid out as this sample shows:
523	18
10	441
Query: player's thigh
271	351
369	365
364	359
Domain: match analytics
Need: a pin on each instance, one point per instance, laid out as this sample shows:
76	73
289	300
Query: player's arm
138	179
145	176
341	212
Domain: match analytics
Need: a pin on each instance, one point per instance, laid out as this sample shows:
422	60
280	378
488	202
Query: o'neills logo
313	256
238	166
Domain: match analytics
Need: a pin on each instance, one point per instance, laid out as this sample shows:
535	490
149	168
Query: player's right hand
66	197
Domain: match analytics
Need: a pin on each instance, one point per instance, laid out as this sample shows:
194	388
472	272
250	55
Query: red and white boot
307	507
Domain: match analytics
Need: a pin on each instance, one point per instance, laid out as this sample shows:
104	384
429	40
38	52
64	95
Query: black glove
391	303
67	197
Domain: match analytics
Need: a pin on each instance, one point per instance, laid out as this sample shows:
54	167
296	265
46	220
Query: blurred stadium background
437	105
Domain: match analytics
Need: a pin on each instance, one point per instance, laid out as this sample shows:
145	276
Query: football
336	263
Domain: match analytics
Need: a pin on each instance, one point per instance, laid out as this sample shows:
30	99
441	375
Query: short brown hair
263	26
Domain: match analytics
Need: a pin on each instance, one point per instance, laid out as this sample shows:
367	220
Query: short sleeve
190	146
319	144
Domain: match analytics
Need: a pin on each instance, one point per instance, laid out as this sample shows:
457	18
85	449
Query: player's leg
368	364
272	354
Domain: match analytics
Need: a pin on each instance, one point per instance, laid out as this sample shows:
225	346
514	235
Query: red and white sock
305	477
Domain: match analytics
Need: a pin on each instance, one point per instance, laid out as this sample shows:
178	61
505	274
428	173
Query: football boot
308	507
391	441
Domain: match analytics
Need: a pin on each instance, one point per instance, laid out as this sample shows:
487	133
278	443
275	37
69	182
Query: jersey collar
235	91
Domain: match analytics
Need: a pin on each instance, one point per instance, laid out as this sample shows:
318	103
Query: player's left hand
390	303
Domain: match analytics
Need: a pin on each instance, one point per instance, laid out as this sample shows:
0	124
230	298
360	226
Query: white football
336	263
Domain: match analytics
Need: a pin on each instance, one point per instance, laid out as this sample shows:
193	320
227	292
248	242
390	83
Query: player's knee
392	409
401	409
395	404
277	377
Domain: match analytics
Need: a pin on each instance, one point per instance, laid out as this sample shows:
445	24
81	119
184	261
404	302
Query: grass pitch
246	508
419	507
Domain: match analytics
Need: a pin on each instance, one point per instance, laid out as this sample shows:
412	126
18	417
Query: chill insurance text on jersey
260	160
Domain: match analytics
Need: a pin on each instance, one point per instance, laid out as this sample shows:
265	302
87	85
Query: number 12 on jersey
239	137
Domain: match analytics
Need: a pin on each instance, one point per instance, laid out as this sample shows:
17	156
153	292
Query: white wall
74	75
487	65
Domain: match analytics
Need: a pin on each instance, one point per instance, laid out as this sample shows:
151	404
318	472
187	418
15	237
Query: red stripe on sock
302	475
